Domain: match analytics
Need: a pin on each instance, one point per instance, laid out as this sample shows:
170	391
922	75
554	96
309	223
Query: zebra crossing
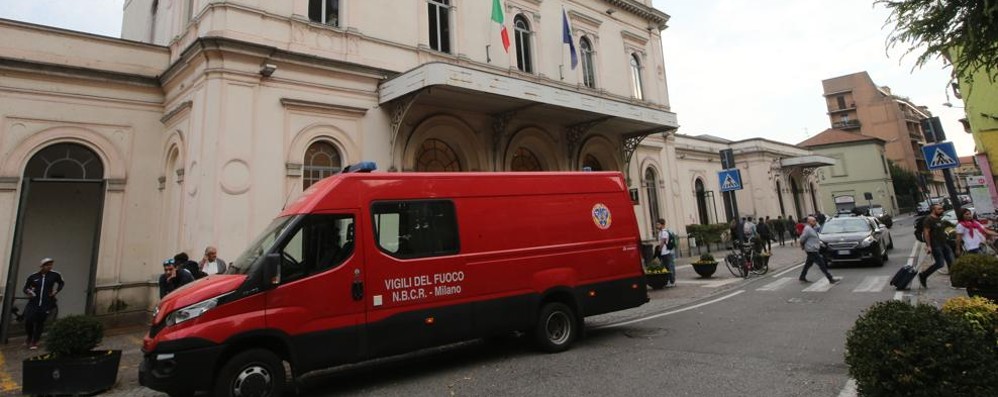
866	284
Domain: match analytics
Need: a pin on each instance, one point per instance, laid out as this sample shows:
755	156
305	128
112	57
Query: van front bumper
179	371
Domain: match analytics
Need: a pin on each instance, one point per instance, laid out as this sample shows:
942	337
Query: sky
735	68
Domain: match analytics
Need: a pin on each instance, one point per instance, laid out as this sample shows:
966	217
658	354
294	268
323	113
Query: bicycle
743	261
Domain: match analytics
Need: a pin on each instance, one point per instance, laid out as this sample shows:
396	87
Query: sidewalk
690	287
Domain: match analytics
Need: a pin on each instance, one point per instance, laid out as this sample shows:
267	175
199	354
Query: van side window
415	229
321	242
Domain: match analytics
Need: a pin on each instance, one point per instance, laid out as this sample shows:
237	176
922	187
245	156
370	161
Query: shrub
896	349
707	257
980	313
74	336
975	271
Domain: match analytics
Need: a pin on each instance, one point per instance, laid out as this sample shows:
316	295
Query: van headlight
193	311
867	241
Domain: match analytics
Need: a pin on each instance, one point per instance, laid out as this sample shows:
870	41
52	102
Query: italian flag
497	17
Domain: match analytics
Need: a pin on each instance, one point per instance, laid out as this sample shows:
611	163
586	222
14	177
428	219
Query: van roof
417	185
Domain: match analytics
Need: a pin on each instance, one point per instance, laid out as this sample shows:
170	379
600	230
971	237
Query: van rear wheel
556	328
252	373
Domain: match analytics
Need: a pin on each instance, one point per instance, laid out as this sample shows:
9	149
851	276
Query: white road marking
780	274
699	305
873	284
773	286
821	285
849	390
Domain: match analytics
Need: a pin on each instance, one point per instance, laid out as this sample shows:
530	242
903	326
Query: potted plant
656	274
979	273
705	266
72	366
761	259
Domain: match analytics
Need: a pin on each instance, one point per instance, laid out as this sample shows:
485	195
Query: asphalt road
766	336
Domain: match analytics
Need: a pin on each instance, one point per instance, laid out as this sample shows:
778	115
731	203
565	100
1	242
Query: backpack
919	227
671	244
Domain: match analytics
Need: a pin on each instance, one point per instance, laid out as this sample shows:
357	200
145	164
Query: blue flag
566	37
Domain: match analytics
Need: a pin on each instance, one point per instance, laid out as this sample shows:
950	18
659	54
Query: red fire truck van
369	264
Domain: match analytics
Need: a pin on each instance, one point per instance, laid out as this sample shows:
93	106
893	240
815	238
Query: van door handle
357	290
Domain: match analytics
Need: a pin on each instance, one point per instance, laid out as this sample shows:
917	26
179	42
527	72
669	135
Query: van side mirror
271	270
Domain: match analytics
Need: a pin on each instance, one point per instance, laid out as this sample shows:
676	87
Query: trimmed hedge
975	271
896	349
74	336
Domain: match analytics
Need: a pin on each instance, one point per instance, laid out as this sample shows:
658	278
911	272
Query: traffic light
932	128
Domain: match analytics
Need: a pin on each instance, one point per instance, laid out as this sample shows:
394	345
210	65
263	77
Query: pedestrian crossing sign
941	156
730	180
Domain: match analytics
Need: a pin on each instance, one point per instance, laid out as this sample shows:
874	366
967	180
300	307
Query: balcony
851	106
846	124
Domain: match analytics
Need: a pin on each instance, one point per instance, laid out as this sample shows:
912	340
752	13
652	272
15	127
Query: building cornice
291	103
658	18
77	72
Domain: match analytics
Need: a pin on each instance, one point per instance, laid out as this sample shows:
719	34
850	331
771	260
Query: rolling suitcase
902	279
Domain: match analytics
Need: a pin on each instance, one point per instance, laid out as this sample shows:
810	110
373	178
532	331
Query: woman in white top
970	234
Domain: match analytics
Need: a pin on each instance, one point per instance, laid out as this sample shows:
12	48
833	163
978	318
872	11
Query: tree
938	27
905	185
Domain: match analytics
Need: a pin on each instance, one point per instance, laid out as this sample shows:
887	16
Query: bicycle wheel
760	268
733	263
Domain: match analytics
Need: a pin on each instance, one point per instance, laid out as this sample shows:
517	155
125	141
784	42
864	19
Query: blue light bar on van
363	166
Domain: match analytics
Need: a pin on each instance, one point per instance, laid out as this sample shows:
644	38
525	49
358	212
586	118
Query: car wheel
256	372
890	243
556	328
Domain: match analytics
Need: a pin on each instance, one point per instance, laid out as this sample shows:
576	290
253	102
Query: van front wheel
556	328
252	373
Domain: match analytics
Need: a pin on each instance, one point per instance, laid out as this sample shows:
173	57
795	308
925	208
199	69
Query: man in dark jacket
765	235
172	278
184	262
41	288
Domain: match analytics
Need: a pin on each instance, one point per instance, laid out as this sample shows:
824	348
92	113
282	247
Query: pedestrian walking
173	277
791	227
780	229
970	234
667	240
934	233
765	234
812	246
41	288
211	263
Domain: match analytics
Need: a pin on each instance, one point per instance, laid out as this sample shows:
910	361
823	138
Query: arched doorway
701	193
62	197
650	183
795	191
779	197
437	156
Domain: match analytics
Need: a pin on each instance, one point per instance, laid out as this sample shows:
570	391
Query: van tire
254	366
556	328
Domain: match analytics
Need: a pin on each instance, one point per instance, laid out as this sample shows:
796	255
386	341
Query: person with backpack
934	236
667	240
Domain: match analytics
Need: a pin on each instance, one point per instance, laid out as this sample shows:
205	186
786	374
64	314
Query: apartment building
857	105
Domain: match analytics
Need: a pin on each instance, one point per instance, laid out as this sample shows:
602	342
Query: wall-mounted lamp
267	69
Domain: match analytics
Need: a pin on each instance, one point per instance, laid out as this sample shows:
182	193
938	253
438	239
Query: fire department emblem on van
601	216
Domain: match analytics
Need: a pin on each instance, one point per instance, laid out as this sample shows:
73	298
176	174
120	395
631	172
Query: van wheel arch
273	343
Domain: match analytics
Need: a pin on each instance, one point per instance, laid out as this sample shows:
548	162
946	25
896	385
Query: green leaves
964	32
74	336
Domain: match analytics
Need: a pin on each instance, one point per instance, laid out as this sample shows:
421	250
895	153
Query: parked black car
876	211
855	239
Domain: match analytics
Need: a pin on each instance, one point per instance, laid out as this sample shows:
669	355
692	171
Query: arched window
326	12
439	16
524	160
701	193
436	156
591	163
65	161
521	34
638	90
588	68
321	160
650	183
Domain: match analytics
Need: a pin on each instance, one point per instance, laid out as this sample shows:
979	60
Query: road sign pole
951	188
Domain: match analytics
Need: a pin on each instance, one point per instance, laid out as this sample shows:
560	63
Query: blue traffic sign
941	156
730	180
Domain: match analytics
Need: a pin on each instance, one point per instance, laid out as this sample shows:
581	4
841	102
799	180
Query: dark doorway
59	217
795	191
701	202
779	196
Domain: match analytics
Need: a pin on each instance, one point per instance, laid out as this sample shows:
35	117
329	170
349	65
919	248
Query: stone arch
603	150
104	148
349	150
458	134
539	142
